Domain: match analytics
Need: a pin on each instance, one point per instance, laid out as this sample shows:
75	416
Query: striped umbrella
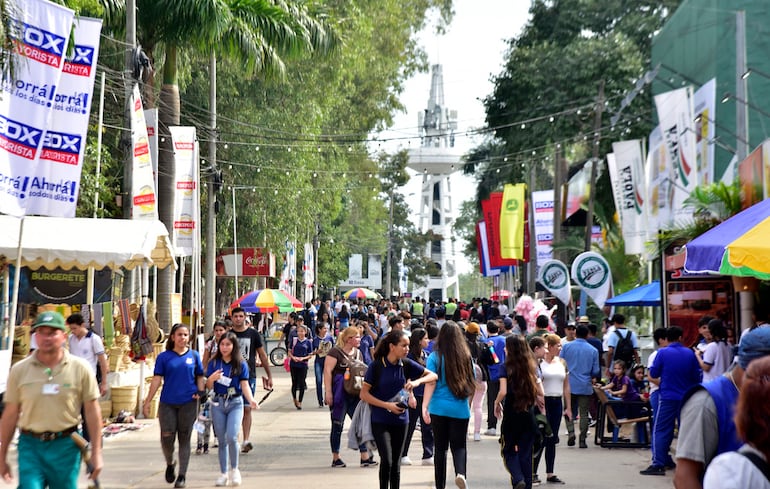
361	293
267	300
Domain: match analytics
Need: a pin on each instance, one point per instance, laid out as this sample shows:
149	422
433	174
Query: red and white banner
490	210
628	184
151	117
483	246
144	199
61	158
27	102
186	189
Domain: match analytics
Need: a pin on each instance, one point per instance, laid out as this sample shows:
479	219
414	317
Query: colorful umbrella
361	293
267	300
644	295
739	246
500	294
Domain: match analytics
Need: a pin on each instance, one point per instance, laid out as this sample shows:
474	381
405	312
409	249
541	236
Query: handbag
287	364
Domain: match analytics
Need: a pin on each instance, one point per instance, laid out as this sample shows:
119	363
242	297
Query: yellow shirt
50	401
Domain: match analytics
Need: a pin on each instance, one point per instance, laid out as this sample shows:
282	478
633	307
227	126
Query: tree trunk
168	115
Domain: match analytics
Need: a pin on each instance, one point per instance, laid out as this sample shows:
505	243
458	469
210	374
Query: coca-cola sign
248	262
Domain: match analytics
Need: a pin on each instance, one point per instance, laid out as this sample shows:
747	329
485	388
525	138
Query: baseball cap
472	328
754	344
52	319
570	325
507	321
583	319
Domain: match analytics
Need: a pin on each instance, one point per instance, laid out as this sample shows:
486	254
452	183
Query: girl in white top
557	401
718	355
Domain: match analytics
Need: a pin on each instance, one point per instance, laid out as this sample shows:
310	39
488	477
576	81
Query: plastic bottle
494	355
347	373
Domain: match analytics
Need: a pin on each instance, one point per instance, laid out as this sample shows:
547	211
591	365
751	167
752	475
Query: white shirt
733	470
88	348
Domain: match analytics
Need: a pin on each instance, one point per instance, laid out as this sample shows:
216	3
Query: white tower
437	159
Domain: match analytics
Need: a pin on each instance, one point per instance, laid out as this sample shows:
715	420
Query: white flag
554	276
186	188
143	195
40	31
592	273
705	109
659	186
630	183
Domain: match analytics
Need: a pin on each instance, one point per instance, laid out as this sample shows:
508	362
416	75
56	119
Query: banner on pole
705	110
40	31
512	218
543	225
61	158
151	117
490	210
629	177
482	242
554	276
186	188
592	273
144	204
659	185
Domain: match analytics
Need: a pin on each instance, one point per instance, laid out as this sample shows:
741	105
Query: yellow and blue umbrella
267	300
739	246
361	293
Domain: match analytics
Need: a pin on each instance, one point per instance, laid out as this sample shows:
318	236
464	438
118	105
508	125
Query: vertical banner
308	272
659	188
57	180
543	225
490	210
592	273
630	180
186	188
151	117
40	32
677	127
483	243
554	276
512	222
143	193
705	110
612	168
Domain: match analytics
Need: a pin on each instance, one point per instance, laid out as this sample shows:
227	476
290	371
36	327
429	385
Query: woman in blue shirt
299	354
228	376
445	405
388	386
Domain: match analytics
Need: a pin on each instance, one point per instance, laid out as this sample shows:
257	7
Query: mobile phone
401	405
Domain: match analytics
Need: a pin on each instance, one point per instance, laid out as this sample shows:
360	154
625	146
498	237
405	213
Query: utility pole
532	268
388	265
128	165
594	164
211	216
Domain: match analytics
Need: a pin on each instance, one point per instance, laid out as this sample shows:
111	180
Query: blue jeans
553	413
517	458
663	431
226	416
318	366
54	464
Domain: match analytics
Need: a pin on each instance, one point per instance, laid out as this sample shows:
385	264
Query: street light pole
388	265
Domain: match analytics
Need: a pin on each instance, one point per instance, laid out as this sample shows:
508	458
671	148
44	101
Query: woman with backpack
418	342
388	388
479	352
445	405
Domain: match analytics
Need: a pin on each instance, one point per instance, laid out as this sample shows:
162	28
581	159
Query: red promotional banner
490	210
249	262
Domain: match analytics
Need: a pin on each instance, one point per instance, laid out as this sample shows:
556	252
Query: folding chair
607	415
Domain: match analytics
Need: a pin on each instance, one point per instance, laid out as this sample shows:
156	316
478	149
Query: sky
471	52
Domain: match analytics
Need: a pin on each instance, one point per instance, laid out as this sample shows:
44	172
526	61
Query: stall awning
739	246
81	243
644	295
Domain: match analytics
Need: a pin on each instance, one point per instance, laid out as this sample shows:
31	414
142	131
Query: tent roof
81	243
644	295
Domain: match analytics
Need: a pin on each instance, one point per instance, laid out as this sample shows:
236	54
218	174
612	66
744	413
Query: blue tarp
644	295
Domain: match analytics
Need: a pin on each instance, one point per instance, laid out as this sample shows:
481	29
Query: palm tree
257	32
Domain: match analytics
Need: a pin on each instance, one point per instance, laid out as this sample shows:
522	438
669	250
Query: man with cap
706	426
44	395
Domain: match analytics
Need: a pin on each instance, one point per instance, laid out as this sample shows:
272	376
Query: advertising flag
308	272
543	226
484	264
143	194
592	273
630	182
512	222
659	185
40	30
675	113
612	169
490	210
151	116
57	179
186	188
554	276
705	109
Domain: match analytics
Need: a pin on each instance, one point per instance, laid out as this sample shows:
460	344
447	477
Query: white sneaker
406	461
222	481
491	432
235	477
461	482
477	437
427	461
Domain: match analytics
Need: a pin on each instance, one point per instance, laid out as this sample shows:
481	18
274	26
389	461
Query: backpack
624	350
354	374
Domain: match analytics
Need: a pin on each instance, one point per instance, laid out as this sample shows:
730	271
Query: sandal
554	479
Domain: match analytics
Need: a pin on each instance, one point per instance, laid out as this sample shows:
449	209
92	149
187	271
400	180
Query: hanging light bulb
256	148
315	175
319	148
505	158
550	119
288	149
259	170
523	126
225	145
350	148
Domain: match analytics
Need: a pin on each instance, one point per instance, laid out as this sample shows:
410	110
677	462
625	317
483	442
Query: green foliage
106	183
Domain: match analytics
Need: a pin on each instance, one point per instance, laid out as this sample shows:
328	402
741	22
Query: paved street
292	450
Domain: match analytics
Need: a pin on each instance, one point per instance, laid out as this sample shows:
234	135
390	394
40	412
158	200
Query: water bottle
347	373
403	399
494	355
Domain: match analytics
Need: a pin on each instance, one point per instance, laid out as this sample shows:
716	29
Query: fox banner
554	276
144	203
61	159
512	218
40	30
186	189
592	273
629	183
483	245
543	225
